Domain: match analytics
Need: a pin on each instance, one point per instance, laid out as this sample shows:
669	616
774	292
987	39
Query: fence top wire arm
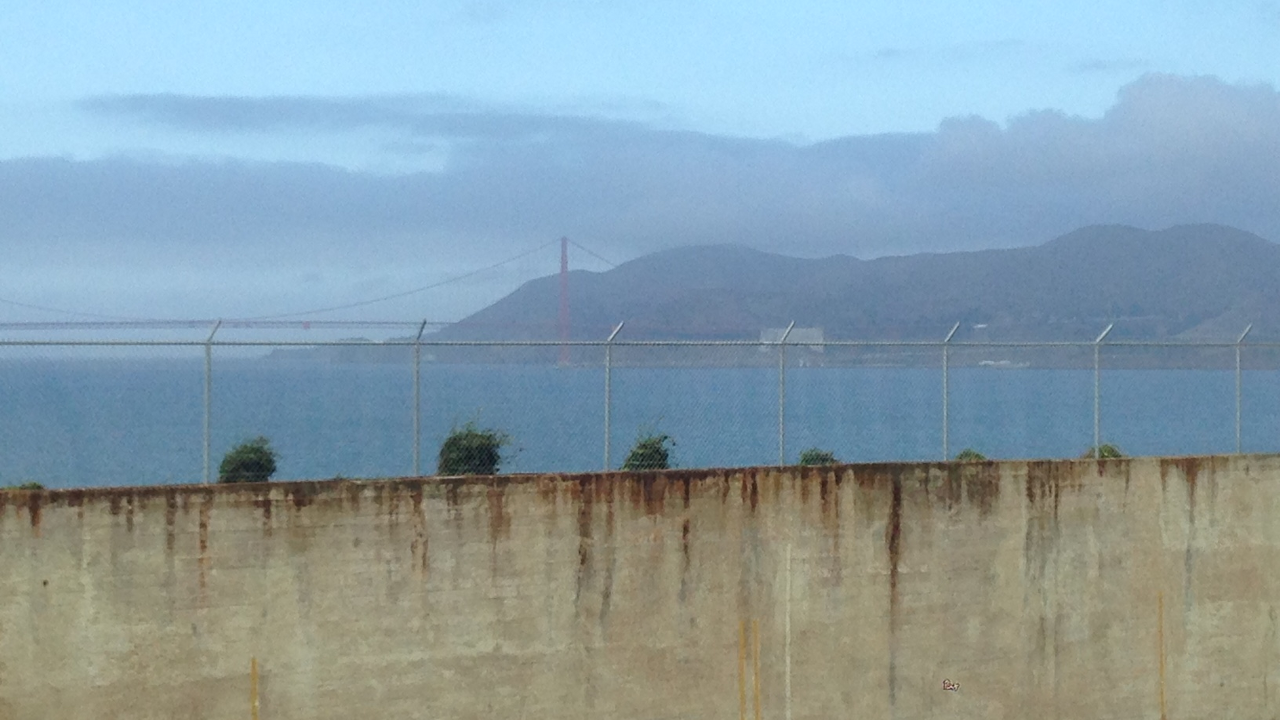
785	333
615	332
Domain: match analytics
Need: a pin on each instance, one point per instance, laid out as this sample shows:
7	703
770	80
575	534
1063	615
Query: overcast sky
247	159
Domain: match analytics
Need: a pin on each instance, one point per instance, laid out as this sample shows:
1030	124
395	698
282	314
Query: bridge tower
564	301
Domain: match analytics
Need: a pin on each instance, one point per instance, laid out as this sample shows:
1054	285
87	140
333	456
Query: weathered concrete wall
1121	589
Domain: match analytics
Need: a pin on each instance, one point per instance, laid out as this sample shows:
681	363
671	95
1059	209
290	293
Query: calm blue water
103	422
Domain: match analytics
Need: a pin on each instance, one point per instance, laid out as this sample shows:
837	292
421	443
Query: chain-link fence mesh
82	416
81	408
1020	402
716	403
863	403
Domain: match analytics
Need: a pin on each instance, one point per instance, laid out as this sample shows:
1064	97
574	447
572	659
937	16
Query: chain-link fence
126	405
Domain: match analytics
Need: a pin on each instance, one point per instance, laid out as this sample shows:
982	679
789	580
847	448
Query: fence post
946	392
417	401
782	395
1238	389
1097	394
208	394
608	389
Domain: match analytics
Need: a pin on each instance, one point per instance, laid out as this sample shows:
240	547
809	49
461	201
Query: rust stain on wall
393	506
75	499
1045	483
610	546
453	498
647	490
951	489
1190	469
893	541
686	492
748	487
33	509
264	503
301	493
128	512
982	487
548	489
202	559
803	481
418	548
170	518
354	493
1047	480
499	518
586	506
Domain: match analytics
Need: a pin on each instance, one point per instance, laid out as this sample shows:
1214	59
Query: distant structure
810	337
807	340
564	301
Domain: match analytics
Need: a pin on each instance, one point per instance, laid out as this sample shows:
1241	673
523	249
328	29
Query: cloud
1110	65
428	115
961	52
281	113
1171	150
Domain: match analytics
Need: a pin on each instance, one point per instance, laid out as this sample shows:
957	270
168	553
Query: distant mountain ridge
1201	282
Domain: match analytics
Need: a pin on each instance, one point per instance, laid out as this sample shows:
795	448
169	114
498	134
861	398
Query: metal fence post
946	392
208	395
417	401
608	389
1097	394
1238	389
782	395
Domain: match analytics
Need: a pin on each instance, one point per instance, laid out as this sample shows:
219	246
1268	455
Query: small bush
649	453
1105	451
814	456
471	451
970	455
250	461
29	485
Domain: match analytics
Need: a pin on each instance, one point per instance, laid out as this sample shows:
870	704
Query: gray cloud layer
1171	150
436	115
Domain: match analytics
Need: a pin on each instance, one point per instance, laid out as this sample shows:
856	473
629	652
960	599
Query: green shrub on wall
250	461
470	450
649	453
1106	450
970	455
815	456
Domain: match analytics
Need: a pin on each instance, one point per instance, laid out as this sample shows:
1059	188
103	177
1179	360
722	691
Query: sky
247	159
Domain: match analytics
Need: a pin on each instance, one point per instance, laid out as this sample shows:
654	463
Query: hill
1202	282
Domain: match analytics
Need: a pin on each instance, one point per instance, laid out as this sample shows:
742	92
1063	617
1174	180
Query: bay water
99	422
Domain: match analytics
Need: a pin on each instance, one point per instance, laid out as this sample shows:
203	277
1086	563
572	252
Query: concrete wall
1120	589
